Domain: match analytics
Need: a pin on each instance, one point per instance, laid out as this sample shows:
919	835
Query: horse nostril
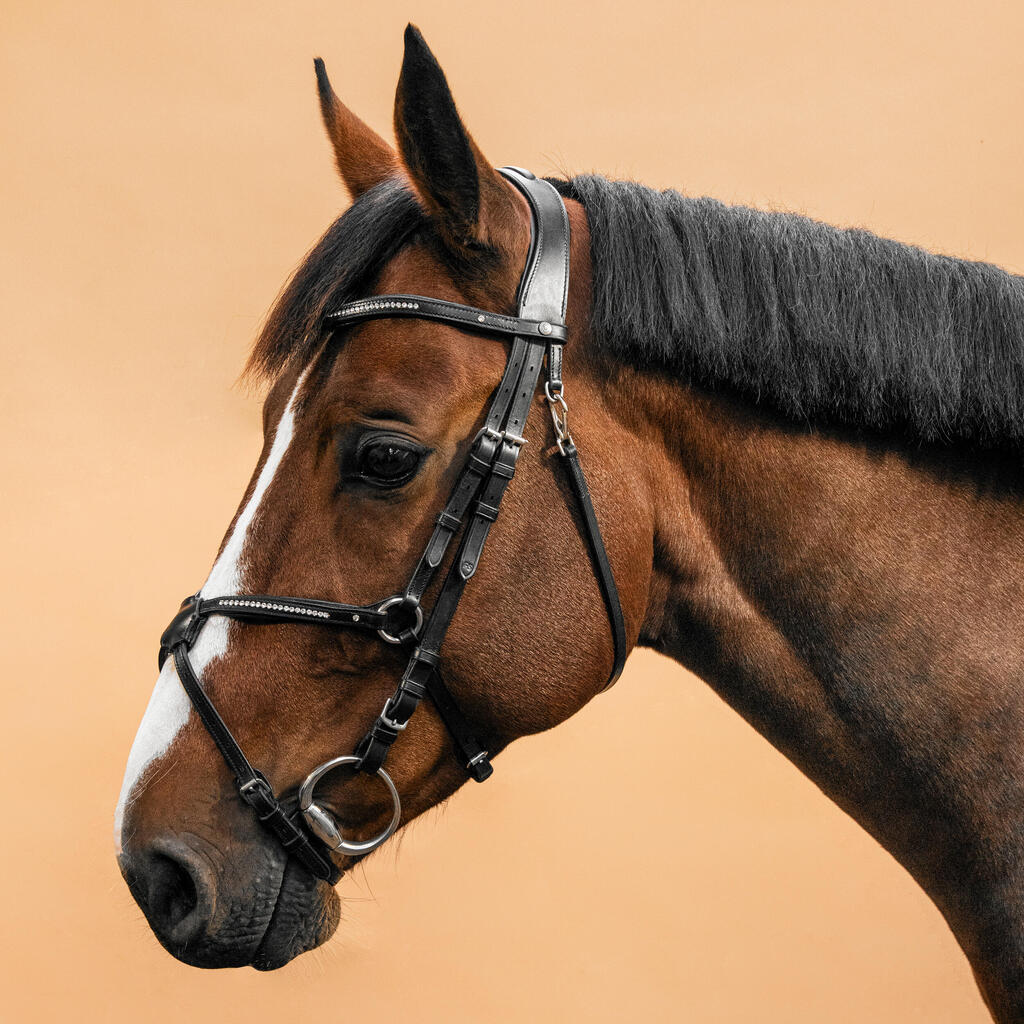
172	892
171	885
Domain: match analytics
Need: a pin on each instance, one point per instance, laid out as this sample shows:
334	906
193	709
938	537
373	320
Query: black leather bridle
538	331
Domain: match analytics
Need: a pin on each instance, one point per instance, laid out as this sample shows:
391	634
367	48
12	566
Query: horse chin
305	916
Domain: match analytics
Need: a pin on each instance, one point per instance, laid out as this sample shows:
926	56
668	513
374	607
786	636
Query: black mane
823	325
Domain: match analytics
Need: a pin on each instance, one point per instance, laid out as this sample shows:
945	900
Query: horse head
373	425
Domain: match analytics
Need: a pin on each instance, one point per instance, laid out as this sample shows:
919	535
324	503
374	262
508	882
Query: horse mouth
306	914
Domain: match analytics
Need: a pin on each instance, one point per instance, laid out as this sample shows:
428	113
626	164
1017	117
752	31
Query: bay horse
804	449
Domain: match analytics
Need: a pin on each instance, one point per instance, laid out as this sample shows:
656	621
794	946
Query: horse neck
862	610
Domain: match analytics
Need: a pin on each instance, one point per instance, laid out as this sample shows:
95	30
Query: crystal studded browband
421	307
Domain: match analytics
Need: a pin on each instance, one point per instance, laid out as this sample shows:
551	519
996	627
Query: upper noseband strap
421	307
273	608
270	608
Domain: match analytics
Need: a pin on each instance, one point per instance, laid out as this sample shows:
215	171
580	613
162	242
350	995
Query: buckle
253	784
500	435
494	435
391	723
257	792
479	767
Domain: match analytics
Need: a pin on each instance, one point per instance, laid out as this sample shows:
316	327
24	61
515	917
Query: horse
803	446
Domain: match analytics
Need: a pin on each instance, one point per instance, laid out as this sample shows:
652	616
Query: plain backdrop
162	169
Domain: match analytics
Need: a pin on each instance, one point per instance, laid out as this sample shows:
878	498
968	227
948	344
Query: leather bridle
537	332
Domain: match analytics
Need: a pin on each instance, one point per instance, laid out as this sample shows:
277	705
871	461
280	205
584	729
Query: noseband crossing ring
538	334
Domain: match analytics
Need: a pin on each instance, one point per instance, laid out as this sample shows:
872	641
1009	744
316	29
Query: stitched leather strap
422	307
472	756
599	558
252	785
543	294
478	466
267	608
274	608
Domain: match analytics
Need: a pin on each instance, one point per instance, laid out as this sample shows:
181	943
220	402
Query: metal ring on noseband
390	603
324	825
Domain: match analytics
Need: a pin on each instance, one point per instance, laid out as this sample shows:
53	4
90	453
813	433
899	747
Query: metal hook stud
559	413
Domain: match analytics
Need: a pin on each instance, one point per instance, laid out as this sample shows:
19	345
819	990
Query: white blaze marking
169	707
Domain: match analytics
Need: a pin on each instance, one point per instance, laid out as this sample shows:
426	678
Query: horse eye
387	460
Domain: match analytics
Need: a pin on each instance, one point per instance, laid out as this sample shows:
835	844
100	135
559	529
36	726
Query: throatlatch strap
599	558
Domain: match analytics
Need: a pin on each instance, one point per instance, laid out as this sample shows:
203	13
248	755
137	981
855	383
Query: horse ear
469	201
363	157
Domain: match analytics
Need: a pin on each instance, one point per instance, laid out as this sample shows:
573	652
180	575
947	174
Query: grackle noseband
538	331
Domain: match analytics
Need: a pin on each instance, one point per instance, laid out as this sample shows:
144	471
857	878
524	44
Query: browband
421	307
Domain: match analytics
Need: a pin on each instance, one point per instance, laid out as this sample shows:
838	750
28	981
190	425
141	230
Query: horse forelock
341	266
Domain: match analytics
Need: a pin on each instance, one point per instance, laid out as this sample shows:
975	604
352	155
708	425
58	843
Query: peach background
162	169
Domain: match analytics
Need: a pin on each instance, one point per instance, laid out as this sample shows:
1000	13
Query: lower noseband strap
253	787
